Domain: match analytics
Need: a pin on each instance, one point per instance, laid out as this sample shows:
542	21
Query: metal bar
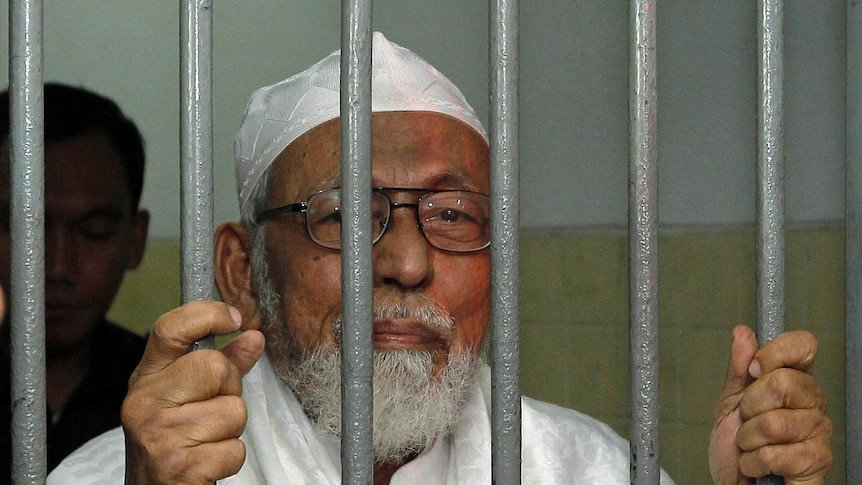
770	177
505	246
853	247
27	150
643	245
196	154
357	456
27	292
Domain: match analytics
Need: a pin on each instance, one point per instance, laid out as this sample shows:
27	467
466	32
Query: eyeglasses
451	220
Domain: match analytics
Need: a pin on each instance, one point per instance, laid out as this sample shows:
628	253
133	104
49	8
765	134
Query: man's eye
98	229
452	216
332	217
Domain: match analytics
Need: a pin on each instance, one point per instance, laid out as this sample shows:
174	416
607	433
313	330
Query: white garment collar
283	445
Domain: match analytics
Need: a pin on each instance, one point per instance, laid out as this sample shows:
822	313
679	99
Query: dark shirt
93	407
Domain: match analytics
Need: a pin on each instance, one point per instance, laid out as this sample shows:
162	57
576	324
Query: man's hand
771	416
183	414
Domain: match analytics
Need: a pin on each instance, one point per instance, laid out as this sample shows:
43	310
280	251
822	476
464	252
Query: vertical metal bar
770	177
505	246
853	247
27	292
357	456
196	153
643	244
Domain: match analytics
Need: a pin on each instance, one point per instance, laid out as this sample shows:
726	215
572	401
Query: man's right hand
183	414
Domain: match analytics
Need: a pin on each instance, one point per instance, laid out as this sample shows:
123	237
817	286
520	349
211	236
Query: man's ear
233	272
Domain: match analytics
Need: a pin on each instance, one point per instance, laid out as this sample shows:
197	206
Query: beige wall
575	322
575	326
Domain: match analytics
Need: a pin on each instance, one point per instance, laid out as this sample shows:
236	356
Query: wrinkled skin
183	414
770	418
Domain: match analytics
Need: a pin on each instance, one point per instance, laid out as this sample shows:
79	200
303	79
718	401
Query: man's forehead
425	149
80	173
390	124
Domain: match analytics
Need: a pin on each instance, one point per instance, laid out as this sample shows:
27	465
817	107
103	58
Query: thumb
724	453
245	350
742	350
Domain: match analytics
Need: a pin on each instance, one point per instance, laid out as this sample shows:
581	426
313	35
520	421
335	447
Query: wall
575	326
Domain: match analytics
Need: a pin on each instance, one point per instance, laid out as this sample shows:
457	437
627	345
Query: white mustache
415	307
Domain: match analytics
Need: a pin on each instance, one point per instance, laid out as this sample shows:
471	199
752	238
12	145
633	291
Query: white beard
412	407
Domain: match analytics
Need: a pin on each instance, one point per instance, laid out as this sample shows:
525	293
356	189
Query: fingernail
754	369
235	315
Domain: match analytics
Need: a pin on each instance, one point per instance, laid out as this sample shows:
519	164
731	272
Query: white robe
559	446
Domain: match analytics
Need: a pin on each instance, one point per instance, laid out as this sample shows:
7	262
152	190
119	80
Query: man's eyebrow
450	180
445	180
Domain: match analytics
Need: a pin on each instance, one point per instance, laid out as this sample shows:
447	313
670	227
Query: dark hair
71	112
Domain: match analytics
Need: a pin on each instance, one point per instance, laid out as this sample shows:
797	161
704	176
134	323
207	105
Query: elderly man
193	418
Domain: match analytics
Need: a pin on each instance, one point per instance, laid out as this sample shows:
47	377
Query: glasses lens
380	208
323	218
455	220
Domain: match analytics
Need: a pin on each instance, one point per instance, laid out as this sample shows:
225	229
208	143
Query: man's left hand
771	416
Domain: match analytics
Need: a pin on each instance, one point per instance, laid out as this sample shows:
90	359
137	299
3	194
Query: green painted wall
575	322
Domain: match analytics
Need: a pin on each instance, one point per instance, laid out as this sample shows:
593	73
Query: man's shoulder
101	461
568	423
564	443
561	445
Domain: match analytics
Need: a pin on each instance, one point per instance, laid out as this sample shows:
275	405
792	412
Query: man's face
91	235
409	150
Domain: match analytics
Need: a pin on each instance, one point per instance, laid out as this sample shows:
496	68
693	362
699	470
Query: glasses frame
302	207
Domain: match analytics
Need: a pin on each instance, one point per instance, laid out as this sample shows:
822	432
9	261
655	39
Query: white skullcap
279	114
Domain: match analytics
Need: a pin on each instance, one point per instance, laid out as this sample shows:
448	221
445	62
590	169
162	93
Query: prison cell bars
196	155
643	244
770	177
27	154
770	173
853	246
504	332
197	253
357	457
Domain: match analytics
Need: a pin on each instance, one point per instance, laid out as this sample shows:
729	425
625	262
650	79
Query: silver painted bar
357	456
770	177
27	155
505	245
196	154
853	247
643	245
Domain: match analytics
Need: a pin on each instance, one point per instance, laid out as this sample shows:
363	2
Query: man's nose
61	260
402	256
